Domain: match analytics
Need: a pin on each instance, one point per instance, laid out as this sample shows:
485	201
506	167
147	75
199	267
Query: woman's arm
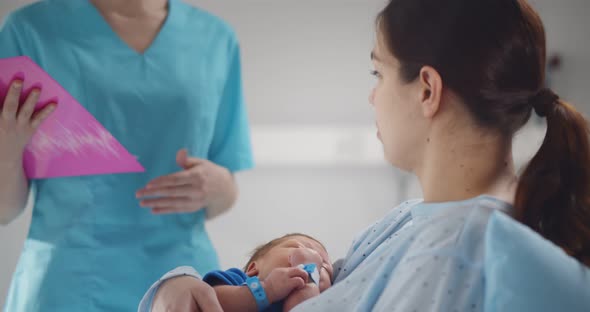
180	290
14	190
235	299
309	291
18	123
184	294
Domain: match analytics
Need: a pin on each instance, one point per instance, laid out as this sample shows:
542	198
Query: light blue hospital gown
420	257
91	247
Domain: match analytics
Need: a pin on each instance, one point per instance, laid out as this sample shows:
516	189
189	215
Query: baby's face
296	250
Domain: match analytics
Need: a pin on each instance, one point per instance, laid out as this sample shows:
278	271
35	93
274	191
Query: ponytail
553	195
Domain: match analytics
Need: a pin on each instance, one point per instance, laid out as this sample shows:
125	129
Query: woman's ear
252	269
430	91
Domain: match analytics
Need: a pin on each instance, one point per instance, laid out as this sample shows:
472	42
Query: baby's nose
304	256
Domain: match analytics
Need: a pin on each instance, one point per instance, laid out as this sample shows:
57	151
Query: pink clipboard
70	142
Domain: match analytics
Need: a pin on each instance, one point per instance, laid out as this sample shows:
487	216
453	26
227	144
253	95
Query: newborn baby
280	274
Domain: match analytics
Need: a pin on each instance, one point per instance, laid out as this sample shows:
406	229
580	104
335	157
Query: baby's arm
279	283
298	296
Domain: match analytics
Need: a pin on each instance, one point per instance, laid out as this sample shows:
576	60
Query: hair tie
544	102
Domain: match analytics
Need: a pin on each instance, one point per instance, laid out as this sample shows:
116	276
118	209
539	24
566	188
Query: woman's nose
372	97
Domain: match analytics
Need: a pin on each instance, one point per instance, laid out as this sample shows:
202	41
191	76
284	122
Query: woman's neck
465	165
131	8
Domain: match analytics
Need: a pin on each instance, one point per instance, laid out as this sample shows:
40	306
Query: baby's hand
282	281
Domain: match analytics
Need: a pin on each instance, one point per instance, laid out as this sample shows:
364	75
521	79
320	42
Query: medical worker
164	78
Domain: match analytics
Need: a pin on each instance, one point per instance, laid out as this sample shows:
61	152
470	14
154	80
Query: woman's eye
375	73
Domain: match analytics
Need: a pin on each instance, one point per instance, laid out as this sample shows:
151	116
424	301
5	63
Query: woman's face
401	127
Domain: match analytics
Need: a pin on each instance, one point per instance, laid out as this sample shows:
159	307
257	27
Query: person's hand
280	282
18	124
200	184
185	294
310	290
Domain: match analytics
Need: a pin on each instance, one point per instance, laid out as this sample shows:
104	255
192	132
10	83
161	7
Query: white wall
306	63
567	27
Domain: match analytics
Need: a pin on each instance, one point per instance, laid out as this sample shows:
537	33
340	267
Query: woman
164	79
455	80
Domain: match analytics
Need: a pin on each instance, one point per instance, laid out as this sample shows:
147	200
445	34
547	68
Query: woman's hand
185	294
300	295
18	124
200	184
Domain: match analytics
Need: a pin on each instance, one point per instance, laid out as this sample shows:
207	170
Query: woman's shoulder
205	20
394	220
36	15
35	10
457	229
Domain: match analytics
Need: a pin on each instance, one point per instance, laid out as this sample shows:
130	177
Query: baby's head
291	250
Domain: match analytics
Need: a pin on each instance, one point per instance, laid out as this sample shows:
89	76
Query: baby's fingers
295	283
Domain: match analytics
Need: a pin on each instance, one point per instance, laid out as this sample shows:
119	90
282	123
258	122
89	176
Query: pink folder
71	142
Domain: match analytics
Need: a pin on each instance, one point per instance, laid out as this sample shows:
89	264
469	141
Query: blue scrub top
90	246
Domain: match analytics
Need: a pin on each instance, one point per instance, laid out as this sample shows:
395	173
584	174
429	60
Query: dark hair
491	54
262	250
